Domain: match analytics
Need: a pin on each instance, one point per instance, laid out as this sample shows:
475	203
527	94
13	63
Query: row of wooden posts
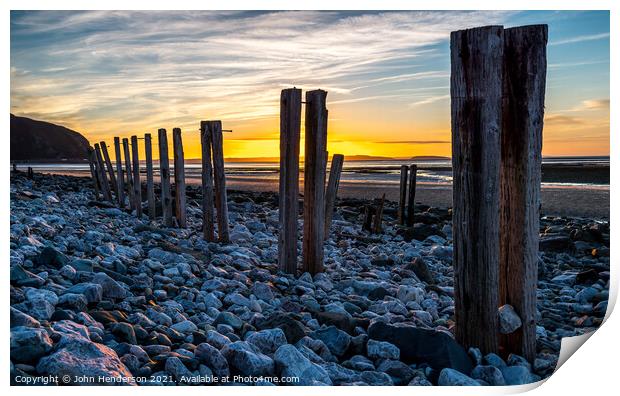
497	92
125	181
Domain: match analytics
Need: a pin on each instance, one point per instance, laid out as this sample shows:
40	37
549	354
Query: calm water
433	172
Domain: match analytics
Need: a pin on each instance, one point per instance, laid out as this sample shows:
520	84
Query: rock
125	332
419	345
216	339
376	378
18	318
516	375
82	265
490	374
73	301
556	244
336	340
247	359
291	363
509	321
400	373
77	356
262	291
420	268
28	344
186	326
176	369
318	347
343	321
109	287
267	341
41	303
50	257
359	363
212	358
229	319
92	291
450	377
382	350
293	329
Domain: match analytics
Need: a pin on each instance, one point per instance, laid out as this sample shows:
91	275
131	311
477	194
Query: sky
122	73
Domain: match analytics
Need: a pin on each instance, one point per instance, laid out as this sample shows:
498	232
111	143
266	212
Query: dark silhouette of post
377	225
93	171
110	168
164	170
314	181
476	96
288	206
402	197
221	200
105	186
137	184
120	183
525	69
208	232
128	172
150	185
332	190
179	177
413	176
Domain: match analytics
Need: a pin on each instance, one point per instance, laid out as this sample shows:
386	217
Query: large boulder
417	345
28	344
247	359
291	363
76	356
336	340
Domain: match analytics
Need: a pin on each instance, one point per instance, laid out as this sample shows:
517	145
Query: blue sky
107	73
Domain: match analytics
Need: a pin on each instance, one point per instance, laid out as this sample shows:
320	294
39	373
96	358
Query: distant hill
39	141
277	159
429	158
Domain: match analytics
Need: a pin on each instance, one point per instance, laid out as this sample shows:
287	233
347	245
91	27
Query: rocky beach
99	295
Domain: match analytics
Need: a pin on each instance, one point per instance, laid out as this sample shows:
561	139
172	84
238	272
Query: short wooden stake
476	92
105	186
402	197
367	221
120	183
525	69
288	207
164	170
314	181
137	184
221	199
110	168
379	216
179	177
128	172
413	174
150	185
332	190
208	232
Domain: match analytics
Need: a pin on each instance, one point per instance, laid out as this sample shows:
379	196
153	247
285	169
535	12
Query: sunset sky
106	73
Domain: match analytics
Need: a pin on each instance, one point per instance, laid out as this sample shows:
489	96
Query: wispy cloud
579	39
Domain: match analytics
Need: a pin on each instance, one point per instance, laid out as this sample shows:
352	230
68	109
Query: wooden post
332	190
207	182
314	181
108	164
221	199
105	186
379	216
120	184
402	198
476	92
128	171
413	175
164	170
150	186
179	177
367	221
288	206
525	69
137	185
93	171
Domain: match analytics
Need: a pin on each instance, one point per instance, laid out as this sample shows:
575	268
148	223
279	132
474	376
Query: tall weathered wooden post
179	177
208	232
332	190
164	170
413	175
137	184
476	92
108	164
525	69
314	181
105	185
128	171
150	186
402	197
221	199
120	183
288	207
93	170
